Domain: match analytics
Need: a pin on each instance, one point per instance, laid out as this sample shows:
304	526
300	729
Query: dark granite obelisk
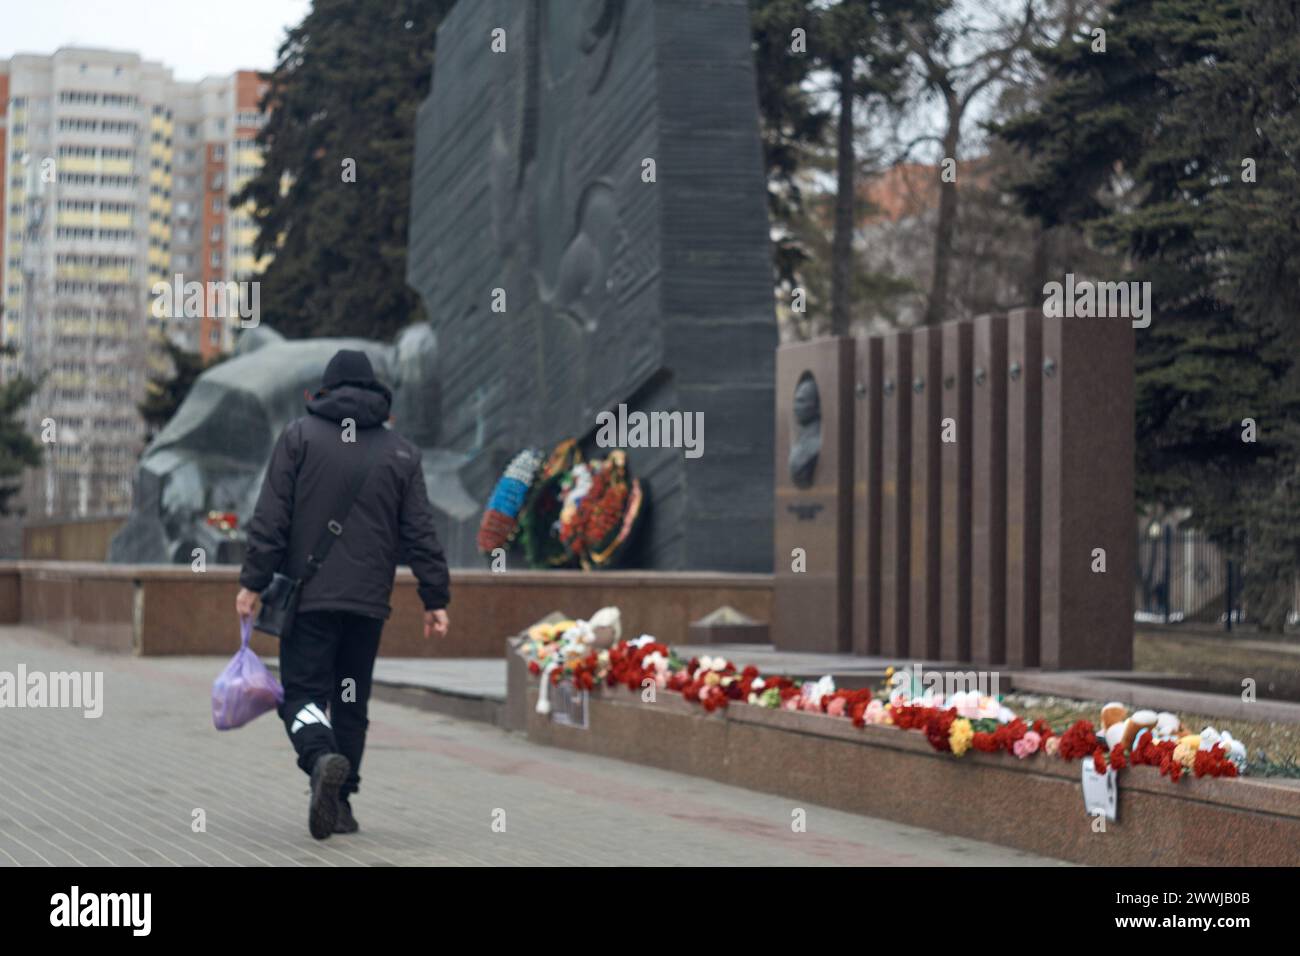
588	229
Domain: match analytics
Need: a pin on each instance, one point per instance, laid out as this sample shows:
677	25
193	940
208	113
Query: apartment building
214	127
116	177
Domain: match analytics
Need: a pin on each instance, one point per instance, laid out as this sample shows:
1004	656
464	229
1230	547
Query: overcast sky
196	38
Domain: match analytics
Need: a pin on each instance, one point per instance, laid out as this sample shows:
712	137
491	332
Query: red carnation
912	716
1213	763
1079	741
1117	760
937	727
1007	734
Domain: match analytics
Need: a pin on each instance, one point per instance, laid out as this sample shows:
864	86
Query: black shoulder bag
280	599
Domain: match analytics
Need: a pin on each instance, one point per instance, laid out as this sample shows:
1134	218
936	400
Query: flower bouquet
501	517
954	724
539	521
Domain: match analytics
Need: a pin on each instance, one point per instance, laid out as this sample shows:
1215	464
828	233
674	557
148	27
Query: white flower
823	687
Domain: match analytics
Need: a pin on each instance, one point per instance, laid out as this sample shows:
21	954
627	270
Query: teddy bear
1119	727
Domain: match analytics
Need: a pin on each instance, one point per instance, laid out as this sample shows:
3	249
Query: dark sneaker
346	823
327	777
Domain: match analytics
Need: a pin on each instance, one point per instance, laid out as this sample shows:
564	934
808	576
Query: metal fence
1183	578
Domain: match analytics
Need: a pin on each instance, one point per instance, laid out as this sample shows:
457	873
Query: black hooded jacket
391	521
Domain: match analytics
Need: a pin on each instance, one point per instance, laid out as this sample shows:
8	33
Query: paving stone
120	790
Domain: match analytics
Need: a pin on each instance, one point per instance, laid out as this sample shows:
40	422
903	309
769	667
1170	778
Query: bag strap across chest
334	526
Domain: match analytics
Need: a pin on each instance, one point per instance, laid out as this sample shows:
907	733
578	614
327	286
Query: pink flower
875	713
1026	745
791	704
836	707
1052	746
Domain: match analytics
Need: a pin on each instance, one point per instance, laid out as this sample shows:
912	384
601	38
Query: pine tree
18	450
1177	146
342	99
790	123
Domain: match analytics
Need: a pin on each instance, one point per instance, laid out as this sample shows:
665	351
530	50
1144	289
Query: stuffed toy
1185	752
578	640
1168	727
1118	727
606	627
1234	749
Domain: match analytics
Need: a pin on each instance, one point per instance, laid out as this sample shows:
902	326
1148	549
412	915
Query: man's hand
245	603
436	623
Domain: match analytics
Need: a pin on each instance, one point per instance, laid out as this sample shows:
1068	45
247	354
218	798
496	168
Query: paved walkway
123	789
472	677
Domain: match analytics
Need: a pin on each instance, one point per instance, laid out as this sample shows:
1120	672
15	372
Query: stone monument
970	500
589	230
212	454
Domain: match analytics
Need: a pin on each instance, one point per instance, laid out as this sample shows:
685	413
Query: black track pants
325	666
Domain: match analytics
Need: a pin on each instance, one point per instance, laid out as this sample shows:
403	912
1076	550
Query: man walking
340	452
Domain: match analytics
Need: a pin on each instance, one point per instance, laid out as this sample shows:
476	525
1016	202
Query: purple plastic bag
245	689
